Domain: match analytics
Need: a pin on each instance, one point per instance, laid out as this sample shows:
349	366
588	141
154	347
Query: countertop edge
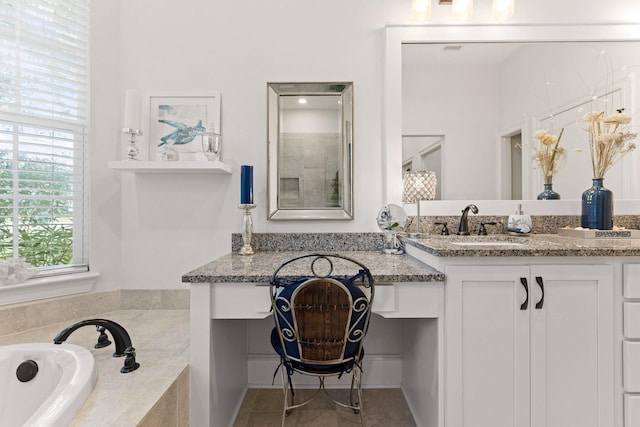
258	268
558	246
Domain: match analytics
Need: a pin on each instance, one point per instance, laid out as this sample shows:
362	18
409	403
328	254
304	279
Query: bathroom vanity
229	292
534	329
505	331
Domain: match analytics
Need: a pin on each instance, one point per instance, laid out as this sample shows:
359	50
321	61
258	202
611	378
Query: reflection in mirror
423	153
309	154
395	120
484	101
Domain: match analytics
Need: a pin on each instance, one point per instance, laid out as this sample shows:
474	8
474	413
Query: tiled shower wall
309	171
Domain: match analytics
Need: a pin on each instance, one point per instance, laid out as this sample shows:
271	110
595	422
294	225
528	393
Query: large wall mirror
310	137
466	100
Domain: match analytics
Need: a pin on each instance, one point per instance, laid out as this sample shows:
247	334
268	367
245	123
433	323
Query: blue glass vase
548	193
597	207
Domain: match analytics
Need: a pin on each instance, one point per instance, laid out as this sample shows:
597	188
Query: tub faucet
119	334
463	228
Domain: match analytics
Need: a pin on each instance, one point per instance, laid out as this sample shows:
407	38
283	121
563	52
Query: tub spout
119	334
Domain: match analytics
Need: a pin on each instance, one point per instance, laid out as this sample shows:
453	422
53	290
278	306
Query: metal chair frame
284	309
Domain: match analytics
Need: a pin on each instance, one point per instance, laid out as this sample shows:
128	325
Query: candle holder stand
247	229
132	149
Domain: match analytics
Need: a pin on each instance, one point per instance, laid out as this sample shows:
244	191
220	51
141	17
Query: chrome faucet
463	228
119	334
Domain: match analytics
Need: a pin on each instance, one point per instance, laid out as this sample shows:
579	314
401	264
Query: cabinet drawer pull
525	304
540	303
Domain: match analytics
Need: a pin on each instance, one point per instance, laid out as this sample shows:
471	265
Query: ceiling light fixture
302	100
502	9
420	9
461	9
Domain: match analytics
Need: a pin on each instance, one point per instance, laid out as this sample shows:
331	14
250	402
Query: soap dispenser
519	223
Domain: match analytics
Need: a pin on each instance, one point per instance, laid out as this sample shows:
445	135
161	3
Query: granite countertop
536	245
259	268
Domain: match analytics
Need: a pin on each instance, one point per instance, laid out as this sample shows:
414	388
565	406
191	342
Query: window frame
61	39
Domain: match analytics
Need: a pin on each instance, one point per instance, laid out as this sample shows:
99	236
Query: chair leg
354	387
360	405
288	396
356	381
355	396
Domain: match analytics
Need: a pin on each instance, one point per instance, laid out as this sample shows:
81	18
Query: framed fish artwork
177	122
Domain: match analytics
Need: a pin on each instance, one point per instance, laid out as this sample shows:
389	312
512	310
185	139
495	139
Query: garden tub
44	384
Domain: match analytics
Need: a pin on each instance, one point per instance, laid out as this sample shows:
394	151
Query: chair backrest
322	318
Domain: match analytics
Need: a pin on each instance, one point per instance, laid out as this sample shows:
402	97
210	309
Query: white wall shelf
141	166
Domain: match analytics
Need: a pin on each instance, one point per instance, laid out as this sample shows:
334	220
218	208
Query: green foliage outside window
44	208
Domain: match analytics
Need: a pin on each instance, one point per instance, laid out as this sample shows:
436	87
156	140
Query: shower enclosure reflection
310	143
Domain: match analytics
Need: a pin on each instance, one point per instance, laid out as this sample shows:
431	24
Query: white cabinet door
572	341
546	363
487	347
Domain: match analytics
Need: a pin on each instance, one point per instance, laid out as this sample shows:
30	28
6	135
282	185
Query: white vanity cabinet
529	345
631	344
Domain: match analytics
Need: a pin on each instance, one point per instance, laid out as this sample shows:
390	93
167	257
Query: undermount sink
492	242
487	243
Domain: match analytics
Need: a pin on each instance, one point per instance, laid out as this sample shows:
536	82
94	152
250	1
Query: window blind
44	69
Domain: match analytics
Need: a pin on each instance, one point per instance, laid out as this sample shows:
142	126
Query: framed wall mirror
310	145
524	78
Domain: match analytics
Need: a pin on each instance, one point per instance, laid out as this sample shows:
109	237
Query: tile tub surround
258	268
536	245
20	317
161	339
172	409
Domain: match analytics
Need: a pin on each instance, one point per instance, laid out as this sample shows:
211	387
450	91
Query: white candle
131	109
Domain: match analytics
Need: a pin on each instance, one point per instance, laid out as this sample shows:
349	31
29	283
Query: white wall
105	205
148	230
461	104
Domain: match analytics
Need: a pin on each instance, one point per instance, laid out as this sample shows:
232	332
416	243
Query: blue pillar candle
246	184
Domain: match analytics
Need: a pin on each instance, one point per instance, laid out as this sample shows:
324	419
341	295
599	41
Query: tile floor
382	408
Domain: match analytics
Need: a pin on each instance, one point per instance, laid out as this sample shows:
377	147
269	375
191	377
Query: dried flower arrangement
609	139
549	154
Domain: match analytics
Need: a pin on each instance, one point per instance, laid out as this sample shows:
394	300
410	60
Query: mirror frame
396	35
274	91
